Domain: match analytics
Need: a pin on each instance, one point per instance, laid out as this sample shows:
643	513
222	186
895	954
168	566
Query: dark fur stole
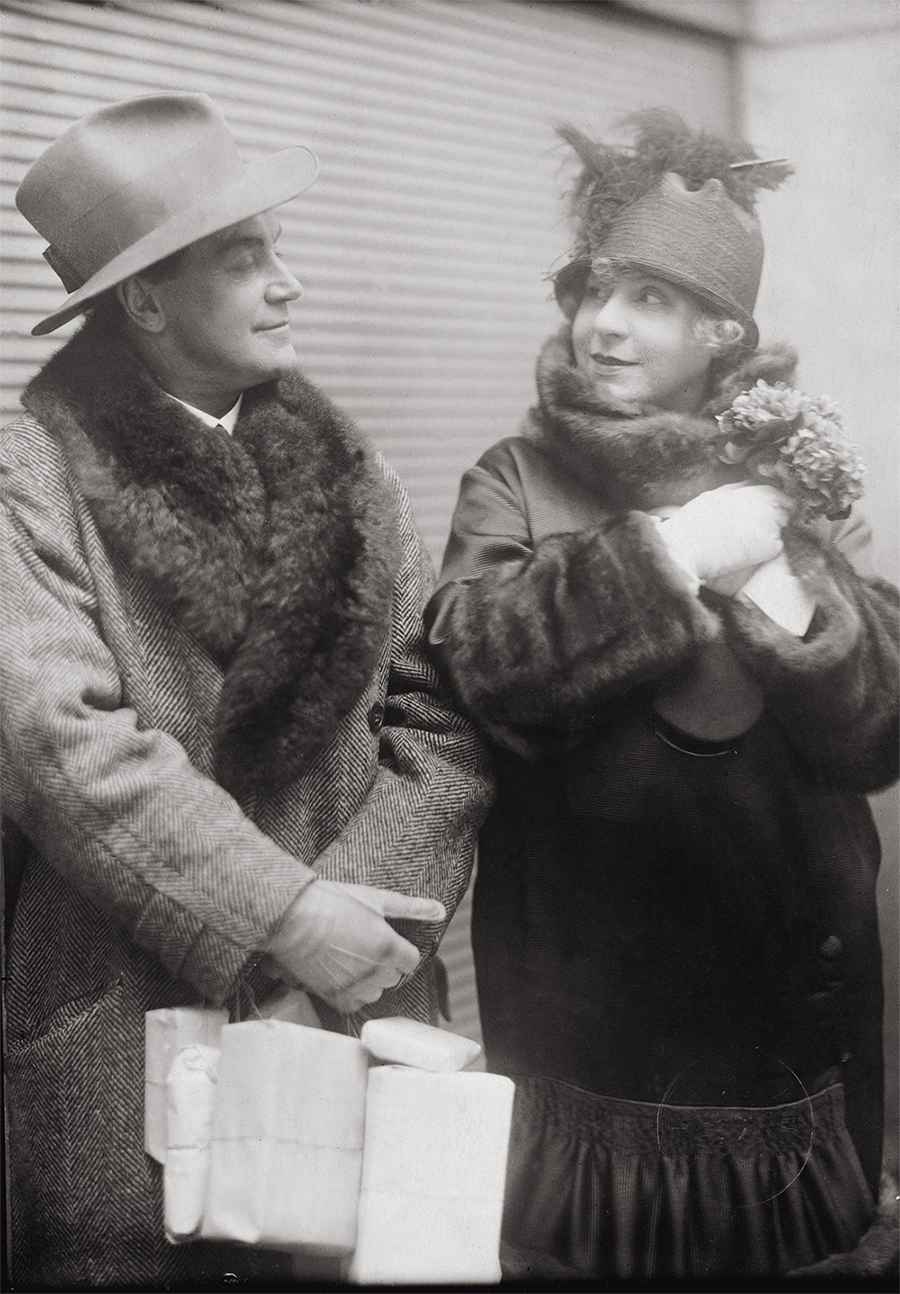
275	548
639	456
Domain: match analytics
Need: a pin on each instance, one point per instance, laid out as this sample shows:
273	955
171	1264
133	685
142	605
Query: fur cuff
875	1255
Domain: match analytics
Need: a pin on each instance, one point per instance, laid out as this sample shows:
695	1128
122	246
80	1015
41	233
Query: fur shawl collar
275	548
639	456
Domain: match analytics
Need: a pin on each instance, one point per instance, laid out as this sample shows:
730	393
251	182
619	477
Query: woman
674	926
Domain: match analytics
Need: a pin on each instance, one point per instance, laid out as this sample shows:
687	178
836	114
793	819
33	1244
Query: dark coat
213	681
676	888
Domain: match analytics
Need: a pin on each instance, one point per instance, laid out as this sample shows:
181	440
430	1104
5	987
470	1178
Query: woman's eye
653	296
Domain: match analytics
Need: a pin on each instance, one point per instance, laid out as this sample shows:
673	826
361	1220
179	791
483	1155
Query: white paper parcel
411	1042
434	1172
166	1031
287	1138
191	1096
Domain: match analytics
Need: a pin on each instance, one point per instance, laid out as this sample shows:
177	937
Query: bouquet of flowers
796	443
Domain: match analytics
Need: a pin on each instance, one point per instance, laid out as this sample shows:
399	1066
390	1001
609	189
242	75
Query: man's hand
334	940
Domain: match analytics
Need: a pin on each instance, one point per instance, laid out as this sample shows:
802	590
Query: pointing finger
388	903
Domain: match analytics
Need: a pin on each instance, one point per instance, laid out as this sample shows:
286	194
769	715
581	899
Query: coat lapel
274	548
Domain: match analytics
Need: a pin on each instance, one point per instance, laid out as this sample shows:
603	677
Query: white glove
733	528
335	941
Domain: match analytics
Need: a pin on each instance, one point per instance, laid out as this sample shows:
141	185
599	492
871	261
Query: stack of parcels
378	1151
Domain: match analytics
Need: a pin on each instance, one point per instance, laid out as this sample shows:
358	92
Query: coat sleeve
417	829
539	638
835	690
118	809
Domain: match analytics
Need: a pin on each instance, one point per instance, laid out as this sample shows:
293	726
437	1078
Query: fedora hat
137	181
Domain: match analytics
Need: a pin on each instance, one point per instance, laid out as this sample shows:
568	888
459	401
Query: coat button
376	717
831	947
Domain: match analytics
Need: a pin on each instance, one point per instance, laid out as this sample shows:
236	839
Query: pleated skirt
625	1189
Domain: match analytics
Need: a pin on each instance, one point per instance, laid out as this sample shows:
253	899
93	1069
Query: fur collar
639	456
275	548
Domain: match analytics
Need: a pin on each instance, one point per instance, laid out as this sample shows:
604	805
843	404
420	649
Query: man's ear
140	301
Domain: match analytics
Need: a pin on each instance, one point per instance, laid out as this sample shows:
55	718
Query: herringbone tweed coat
184	613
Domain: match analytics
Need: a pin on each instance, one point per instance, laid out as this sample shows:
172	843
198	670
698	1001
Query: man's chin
284	361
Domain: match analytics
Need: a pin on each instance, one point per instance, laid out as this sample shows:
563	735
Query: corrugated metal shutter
423	244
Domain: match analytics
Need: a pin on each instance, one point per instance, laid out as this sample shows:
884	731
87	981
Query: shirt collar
227	420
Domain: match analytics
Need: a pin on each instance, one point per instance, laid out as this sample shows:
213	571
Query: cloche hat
679	203
136	181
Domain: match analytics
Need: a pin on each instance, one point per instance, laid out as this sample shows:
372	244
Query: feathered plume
612	178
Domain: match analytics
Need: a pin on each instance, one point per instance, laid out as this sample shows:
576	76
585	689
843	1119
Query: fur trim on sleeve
539	649
836	690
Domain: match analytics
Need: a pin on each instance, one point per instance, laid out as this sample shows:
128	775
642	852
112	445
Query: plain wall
820	85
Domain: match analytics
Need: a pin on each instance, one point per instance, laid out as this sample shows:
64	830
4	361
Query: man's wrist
280	934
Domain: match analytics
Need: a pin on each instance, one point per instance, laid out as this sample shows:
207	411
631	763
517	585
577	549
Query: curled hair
718	333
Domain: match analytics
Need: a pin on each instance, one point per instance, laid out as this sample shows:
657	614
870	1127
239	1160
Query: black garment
708	934
633	1189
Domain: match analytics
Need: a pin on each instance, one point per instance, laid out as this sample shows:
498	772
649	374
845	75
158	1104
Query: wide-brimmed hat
137	181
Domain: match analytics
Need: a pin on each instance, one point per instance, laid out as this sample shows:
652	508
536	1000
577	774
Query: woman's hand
727	532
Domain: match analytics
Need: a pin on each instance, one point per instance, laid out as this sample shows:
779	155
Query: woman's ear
140	301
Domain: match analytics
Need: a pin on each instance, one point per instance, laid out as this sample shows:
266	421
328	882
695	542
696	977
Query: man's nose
285	287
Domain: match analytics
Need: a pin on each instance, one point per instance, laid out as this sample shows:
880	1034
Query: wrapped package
434	1171
290	1004
165	1032
410	1042
190	1101
287	1138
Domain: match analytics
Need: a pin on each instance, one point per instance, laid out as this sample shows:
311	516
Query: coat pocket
80	1183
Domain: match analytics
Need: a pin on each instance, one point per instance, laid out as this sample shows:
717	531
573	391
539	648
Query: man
223	746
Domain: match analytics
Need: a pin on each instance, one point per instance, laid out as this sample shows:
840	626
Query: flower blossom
797	443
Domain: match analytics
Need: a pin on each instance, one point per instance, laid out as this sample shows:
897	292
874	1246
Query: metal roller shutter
423	245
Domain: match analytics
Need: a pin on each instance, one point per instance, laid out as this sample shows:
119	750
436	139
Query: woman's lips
612	361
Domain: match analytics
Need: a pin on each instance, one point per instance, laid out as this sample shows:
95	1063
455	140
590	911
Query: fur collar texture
640	457
275	548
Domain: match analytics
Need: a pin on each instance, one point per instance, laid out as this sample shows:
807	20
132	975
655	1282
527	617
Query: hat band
71	279
137	209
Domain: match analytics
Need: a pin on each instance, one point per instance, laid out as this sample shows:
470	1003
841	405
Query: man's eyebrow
227	239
